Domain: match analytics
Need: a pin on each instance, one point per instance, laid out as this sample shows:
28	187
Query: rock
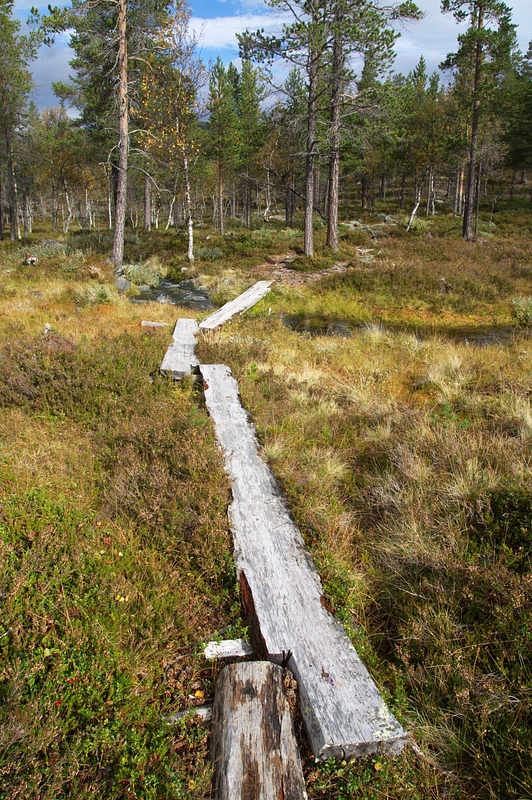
284	258
122	284
51	244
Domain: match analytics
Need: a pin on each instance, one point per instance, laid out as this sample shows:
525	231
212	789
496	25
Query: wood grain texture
180	358
342	708
242	303
253	746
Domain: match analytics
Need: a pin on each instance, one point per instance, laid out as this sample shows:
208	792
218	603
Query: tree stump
254	749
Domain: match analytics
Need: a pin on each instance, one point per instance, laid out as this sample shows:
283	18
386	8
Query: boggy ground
405	457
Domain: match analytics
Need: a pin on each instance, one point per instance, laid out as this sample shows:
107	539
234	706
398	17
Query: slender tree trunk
248	199
12	187
25	218
170	213
233	200
364	186
308	246
188	210
268	194
334	157
477	197
402	192
417	202
70	210
382	188
467	226
117	256
147	203
1	212
221	196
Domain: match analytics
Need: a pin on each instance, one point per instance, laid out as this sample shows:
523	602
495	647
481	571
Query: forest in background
389	382
163	141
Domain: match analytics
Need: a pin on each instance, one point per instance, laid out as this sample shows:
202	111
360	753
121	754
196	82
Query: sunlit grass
399	450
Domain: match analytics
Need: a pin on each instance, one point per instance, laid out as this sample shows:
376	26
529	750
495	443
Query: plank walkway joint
238	306
180	359
343	711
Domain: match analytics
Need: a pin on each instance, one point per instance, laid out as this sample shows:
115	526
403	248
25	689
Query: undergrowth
405	460
110	580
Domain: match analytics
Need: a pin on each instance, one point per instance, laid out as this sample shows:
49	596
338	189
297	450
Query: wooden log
229	648
344	713
253	746
180	358
242	303
201	712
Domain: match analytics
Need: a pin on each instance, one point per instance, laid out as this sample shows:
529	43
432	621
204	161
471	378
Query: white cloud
220	33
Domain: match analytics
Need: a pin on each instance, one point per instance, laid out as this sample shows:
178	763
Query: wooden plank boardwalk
242	303
343	710
180	358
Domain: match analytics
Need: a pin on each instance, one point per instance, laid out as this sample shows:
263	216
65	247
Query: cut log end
253	748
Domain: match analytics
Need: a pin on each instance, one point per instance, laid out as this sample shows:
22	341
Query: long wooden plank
253	745
180	358
230	648
242	303
341	706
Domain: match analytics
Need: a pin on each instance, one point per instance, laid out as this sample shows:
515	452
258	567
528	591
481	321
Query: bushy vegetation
115	566
404	453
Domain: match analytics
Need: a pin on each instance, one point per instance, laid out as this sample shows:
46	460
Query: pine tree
16	52
223	138
111	40
517	119
251	127
483	57
304	43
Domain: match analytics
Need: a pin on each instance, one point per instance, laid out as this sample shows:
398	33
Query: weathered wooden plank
202	712
180	358
229	648
253	746
342	708
237	306
146	323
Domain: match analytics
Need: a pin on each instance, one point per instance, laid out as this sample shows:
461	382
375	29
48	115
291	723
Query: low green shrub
522	311
148	274
208	253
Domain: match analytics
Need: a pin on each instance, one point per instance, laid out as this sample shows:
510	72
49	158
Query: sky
217	21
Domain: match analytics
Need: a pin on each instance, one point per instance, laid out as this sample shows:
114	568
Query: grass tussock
406	465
